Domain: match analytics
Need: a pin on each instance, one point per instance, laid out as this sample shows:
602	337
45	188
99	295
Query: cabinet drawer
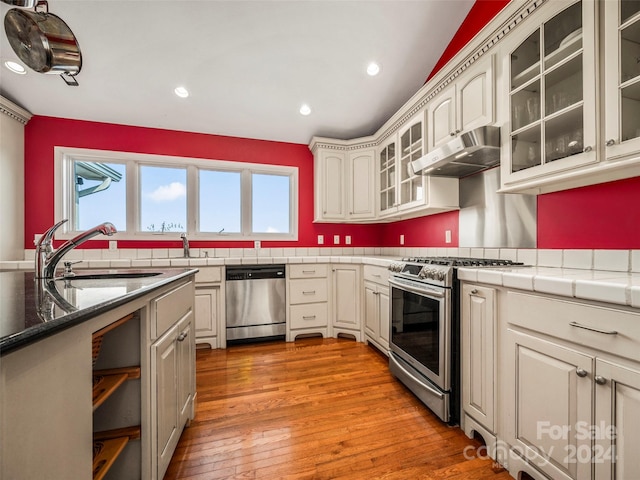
308	270
618	330
376	274
209	275
309	316
171	307
308	291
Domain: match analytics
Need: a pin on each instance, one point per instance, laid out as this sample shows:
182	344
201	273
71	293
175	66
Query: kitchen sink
109	275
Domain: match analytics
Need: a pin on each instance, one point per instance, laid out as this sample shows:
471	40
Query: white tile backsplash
635	260
614	260
582	259
550	258
528	256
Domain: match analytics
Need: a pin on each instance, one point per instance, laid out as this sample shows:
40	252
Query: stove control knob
441	276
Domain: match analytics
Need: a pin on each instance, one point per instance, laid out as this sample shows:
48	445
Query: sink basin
109	275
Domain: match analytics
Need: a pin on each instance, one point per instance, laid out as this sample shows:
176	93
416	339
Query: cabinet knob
474	291
453	134
182	337
610	142
588	148
600	380
581	372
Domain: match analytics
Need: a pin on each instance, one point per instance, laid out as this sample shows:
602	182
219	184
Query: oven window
415	327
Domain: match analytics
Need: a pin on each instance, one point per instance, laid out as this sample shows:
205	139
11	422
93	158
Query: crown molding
14	111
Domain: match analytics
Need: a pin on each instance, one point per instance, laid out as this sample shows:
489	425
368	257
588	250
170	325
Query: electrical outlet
347	240
113	244
336	239
401	239
256	244
320	239
447	236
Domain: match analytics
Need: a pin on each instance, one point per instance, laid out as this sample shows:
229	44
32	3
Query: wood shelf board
105	385
131	372
105	453
132	433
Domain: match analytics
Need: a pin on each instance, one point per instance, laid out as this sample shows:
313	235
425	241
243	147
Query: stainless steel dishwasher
255	302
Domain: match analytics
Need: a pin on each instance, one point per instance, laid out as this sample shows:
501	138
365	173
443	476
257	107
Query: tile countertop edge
32	334
597	285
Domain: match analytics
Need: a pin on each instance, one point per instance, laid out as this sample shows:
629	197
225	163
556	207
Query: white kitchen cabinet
616	421
376	306
344	181
466	104
307	300
403	194
208	307
550	392
478	331
387	177
345	299
569	378
622	78
172	373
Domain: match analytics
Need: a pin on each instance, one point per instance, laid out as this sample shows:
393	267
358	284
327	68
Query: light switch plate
336	239
447	236
320	239
347	240
401	239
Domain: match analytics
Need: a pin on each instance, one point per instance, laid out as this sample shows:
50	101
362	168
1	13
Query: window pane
163	199
220	201
270	196
100	194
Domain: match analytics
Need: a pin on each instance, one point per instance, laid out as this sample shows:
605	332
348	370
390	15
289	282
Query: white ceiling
248	65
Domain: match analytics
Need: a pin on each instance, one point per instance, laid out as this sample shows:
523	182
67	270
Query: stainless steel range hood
468	153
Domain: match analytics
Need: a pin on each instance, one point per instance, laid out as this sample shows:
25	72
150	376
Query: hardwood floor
315	409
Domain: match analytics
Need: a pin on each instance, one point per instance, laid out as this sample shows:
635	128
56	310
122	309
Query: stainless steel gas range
425	329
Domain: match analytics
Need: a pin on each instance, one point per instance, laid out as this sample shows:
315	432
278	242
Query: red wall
42	134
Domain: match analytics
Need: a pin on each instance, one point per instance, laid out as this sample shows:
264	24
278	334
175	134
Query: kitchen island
62	345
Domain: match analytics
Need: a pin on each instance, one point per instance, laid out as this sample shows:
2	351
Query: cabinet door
411	186
549	397
622	77
330	185
475	95
441	120
361	184
383	311
207	301
552	95
186	365
387	176
478	341
617	418
164	353
346	297
371	317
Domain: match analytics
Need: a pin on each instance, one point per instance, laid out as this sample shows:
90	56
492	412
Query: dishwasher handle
255	272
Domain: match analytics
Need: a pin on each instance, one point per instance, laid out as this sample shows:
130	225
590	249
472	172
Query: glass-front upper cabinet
552	93
387	169
622	77
411	148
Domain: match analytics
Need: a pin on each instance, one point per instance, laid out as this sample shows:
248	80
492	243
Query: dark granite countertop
31	310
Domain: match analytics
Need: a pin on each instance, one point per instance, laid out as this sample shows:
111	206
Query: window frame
64	193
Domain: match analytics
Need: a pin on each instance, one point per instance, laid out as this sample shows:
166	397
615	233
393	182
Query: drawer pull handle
310	317
377	275
182	337
310	292
581	372
308	271
592	329
600	380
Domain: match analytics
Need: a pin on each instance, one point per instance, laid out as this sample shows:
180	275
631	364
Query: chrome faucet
47	258
185	245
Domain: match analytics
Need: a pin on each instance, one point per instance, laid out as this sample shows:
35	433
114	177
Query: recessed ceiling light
373	69
305	109
181	92
15	67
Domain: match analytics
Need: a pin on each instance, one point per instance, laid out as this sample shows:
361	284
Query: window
149	195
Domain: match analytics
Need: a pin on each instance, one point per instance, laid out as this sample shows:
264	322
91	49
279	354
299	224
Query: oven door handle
435	392
421	290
